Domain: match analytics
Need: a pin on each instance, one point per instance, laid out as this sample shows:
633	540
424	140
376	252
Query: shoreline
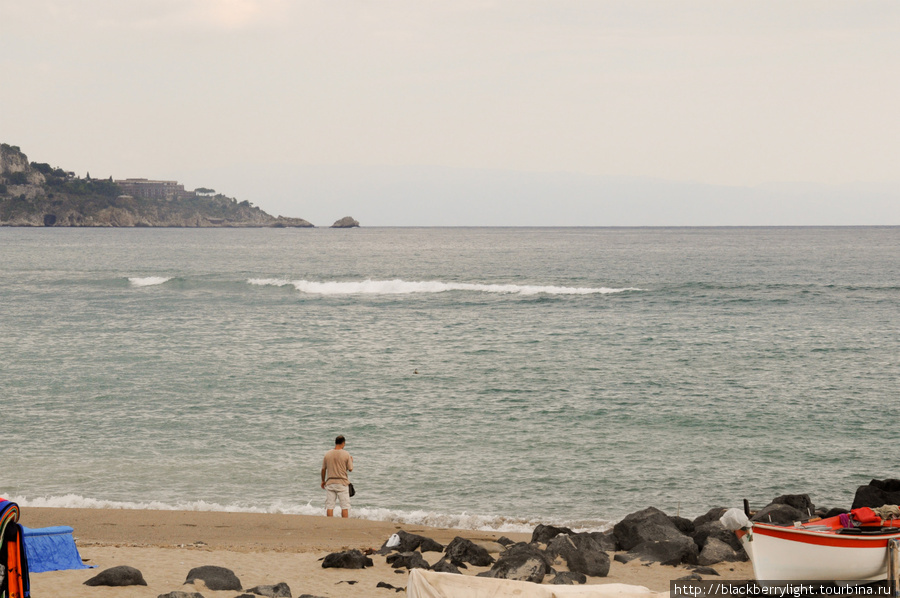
462	521
267	549
238	531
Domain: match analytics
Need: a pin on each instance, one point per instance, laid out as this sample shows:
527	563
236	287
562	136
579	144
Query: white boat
841	549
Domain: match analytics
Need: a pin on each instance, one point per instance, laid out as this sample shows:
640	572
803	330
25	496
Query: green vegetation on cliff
37	194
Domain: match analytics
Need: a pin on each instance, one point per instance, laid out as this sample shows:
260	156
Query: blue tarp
51	549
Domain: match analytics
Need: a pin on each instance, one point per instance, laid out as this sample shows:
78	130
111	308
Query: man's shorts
335	492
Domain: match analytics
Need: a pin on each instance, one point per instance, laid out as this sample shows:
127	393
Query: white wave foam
492	523
462	521
272	282
402	287
148	281
74	501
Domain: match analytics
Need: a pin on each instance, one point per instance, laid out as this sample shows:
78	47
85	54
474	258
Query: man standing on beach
335	466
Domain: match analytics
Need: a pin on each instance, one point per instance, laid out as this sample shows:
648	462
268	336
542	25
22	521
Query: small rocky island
37	194
346	222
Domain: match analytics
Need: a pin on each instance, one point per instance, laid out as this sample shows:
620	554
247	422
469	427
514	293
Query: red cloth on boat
865	515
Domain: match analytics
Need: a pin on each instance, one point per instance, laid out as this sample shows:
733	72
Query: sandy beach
263	549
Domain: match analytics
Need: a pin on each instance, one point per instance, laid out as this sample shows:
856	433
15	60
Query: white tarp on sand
430	584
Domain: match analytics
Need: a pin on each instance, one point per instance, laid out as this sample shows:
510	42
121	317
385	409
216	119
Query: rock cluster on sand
213	577
554	555
649	535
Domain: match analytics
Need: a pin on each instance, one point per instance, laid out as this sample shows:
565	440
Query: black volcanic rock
568	578
716	551
520	565
118	577
445	566
801	502
281	590
672	552
349	559
877	493
647	525
410	542
779	513
408	560
583	554
461	550
215	578
544	533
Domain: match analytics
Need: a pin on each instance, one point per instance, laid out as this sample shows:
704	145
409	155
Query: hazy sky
717	92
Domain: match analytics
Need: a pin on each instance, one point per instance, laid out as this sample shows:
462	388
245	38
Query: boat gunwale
824	538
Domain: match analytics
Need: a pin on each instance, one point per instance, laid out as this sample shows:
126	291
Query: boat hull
792	554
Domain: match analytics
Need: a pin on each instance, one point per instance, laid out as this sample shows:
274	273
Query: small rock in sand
117	577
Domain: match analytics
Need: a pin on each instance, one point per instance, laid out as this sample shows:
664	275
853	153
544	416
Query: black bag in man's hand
352	490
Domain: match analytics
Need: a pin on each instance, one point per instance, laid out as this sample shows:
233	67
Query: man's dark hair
340	440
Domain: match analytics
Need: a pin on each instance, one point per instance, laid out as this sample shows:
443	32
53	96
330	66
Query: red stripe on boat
824	539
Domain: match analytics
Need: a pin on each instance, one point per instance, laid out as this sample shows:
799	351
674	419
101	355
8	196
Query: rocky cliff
36	194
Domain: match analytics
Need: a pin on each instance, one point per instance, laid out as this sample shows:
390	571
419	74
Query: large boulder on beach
606	540
801	502
581	553
673	551
544	533
281	590
349	559
527	548
716	551
408	560
122	575
714	514
877	493
462	550
715	529
521	562
647	525
683	524
779	513
215	578
445	566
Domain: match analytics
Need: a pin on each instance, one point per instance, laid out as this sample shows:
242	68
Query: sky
472	112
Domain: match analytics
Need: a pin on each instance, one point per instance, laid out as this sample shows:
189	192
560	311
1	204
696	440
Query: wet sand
264	549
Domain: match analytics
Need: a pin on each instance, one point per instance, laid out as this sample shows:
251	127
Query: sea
485	378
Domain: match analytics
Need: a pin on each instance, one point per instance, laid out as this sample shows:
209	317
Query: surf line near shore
462	521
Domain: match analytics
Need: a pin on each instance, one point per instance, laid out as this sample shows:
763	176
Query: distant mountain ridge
459	196
37	194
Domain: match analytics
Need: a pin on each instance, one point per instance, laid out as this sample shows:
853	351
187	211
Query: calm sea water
483	377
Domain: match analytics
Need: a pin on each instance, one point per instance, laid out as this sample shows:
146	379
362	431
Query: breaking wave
148	281
403	287
462	521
